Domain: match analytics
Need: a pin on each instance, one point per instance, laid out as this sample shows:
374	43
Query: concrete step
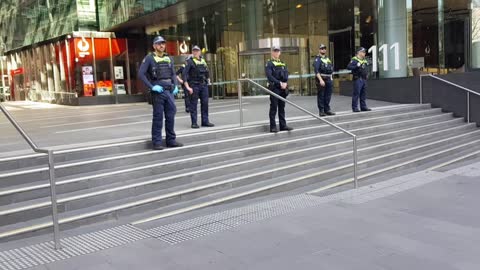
41	188
64	169
300	166
96	151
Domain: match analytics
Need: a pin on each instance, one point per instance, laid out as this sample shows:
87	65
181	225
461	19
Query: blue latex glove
175	91
157	88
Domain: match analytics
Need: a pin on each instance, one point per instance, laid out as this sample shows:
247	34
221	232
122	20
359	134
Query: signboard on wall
88	81
118	70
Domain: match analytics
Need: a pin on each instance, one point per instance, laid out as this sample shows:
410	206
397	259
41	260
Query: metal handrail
469	91
354	137
51	166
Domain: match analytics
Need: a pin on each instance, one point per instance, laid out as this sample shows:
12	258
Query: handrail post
240	102
421	89
468	107
355	162
53	193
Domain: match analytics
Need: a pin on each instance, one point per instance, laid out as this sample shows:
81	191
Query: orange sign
17	71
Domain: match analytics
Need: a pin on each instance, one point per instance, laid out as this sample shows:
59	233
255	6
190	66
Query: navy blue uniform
359	70
156	70
196	74
186	95
323	66
276	72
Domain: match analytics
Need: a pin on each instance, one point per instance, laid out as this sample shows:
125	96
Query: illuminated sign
83	47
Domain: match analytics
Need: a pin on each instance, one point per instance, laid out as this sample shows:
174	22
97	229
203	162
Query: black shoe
195	126
366	109
187	111
355	110
330	113
287	128
208	125
322	114
273	130
157	147
177	144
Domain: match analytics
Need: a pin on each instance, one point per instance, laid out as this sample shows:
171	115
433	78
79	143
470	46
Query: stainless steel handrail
51	166
469	91
354	137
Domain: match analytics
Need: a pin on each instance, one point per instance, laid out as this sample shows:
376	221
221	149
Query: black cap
361	49
322	46
159	39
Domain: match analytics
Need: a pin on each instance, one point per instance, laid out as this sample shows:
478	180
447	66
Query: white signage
118	70
384	49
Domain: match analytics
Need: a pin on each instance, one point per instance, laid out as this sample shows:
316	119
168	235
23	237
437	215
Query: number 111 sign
384	49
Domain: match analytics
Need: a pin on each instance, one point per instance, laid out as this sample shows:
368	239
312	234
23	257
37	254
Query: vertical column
441	34
392	29
475	35
253	23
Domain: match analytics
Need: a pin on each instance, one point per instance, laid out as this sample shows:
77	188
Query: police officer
358	66
186	95
158	74
197	78
277	75
323	78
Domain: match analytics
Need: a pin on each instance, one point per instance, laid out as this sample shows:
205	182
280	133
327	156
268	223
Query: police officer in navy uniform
197	78
358	66
158	73
277	75
323	78
186	95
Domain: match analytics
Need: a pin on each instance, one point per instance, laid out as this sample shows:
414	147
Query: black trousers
277	105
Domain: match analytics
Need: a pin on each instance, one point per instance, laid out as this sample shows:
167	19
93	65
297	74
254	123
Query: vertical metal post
53	193
240	102
421	89
355	162
112	75
468	107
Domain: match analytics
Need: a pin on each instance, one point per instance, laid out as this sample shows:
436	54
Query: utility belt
197	82
355	77
326	76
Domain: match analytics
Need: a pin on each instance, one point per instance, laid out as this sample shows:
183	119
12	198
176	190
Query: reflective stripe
278	63
361	61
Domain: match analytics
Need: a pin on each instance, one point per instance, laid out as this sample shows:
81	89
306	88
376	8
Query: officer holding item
358	66
186	95
323	78
157	73
277	75
197	78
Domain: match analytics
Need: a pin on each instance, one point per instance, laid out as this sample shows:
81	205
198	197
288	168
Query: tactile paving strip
44	253
197	227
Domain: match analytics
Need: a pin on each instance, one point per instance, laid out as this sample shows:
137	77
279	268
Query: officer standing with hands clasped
158	74
277	75
196	79
323	78
358	66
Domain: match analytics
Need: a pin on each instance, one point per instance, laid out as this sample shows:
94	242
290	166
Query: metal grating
45	253
201	226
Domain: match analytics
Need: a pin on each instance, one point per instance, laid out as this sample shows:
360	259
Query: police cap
361	49
159	39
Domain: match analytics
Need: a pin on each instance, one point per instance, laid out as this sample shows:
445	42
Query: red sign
17	71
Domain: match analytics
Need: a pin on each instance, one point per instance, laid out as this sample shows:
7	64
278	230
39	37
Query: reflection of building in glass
51	40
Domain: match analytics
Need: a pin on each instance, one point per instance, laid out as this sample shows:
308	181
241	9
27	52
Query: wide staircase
129	183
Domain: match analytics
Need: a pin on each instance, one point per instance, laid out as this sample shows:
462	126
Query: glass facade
404	38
